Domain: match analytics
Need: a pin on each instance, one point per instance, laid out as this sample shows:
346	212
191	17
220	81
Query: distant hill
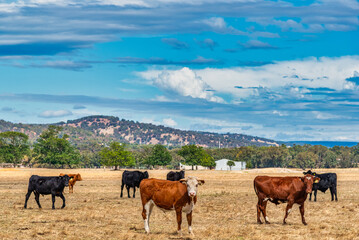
104	129
328	144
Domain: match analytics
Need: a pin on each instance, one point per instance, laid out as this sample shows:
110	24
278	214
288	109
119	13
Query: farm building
222	165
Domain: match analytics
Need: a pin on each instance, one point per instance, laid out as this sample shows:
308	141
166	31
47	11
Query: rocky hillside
103	129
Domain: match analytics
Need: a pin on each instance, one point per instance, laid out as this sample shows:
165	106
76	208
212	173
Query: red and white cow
180	196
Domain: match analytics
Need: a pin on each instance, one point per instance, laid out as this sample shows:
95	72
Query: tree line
53	149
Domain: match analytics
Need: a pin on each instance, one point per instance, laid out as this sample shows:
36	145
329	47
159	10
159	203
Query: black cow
175	176
327	180
132	179
47	185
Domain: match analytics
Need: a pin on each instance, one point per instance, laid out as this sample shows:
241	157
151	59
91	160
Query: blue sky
285	70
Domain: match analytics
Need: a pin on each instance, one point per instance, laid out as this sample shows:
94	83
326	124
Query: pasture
226	209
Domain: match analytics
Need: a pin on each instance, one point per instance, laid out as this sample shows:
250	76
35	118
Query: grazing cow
132	179
47	185
327	180
72	181
175	176
168	195
282	189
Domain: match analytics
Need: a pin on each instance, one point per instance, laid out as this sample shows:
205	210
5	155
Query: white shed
222	165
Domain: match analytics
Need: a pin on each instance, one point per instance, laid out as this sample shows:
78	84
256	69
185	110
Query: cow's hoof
267	222
305	224
284	223
62	207
259	222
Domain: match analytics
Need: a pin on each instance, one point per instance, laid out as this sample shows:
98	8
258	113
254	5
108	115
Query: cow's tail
255	188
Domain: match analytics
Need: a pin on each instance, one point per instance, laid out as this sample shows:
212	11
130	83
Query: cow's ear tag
316	181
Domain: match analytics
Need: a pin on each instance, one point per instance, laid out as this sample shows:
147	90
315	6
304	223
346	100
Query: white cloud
296	75
169	122
185	82
55	114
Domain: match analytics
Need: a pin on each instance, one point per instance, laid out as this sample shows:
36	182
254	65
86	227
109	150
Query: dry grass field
226	209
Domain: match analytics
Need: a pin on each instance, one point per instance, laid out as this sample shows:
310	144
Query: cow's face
145	175
192	184
66	179
308	180
182	174
78	177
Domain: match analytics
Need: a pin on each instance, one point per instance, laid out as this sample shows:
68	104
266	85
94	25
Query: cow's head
78	177
192	184
145	175
65	180
310	172
308	180
181	174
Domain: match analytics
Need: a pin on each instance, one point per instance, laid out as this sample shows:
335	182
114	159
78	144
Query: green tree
346	158
330	159
160	156
116	155
192	155
13	147
141	155
54	150
207	161
320	151
246	154
304	160
274	157
230	164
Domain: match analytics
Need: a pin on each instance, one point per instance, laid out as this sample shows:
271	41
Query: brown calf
282	189
180	196
72	181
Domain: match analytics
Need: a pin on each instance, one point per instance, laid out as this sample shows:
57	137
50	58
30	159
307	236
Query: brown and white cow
72	181
282	189
180	196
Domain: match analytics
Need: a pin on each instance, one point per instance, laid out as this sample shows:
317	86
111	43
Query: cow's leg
122	185
332	193
335	192
37	198
315	195
128	191
259	212
146	213
264	211
189	221
53	200
179	220
288	210
310	196
63	200
71	188
27	198
134	191
301	209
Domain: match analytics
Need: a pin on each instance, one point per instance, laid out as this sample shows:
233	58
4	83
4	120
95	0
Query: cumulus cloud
55	113
185	82
295	76
169	122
